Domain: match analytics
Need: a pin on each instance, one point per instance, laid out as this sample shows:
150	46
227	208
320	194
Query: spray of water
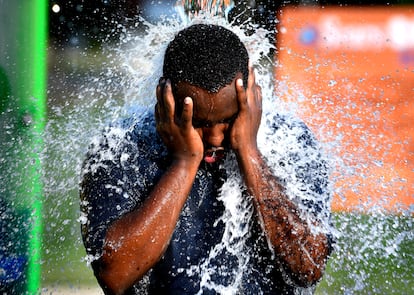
212	7
125	85
238	212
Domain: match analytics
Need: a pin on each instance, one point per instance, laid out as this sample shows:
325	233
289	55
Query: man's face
213	115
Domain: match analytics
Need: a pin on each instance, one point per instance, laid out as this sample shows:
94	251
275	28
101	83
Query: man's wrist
188	163
247	152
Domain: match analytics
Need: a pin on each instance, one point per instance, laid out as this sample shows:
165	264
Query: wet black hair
206	56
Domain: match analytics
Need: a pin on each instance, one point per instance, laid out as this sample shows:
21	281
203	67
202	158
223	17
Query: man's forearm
302	253
134	243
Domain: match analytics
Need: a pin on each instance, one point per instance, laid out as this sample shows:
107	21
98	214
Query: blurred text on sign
350	71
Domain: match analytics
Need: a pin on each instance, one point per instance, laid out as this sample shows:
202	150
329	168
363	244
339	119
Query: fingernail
240	82
187	100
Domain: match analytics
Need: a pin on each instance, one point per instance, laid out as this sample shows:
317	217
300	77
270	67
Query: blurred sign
350	73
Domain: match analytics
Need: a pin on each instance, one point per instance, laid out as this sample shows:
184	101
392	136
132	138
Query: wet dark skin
136	242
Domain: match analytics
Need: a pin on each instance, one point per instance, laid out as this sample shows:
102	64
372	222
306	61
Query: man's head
203	62
206	56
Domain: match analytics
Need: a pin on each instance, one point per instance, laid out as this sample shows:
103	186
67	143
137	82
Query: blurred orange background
350	71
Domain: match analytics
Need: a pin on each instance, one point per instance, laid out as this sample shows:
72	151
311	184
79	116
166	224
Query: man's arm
302	253
134	243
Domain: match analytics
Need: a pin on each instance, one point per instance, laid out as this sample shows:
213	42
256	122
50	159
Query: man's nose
214	135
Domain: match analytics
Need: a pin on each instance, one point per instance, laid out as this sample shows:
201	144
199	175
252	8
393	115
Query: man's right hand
177	133
136	241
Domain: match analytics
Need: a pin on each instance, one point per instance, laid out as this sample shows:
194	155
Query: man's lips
214	154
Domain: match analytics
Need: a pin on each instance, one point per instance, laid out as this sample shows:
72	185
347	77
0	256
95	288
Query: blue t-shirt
218	246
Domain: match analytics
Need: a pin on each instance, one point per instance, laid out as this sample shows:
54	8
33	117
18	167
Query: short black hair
206	56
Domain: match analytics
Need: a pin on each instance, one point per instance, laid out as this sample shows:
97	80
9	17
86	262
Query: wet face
212	116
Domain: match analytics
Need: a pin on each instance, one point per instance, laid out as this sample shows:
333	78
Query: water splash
125	82
238	212
193	8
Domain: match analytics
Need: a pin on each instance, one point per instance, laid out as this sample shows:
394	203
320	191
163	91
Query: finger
160	86
187	114
256	89
168	99
258	93
159	91
241	95
258	96
157	113
158	117
252	78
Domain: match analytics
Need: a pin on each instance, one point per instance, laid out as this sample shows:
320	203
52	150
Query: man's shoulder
290	130
125	141
136	127
122	165
299	160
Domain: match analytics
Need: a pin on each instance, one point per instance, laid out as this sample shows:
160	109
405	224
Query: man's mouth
214	154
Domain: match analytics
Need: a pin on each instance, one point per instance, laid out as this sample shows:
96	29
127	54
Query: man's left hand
243	135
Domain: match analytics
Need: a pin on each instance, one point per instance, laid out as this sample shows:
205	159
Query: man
156	192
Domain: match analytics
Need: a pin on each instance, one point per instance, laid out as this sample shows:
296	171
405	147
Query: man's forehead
215	108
